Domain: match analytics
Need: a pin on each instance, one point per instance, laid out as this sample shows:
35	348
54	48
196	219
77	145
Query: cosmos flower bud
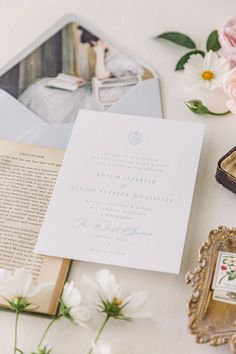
197	107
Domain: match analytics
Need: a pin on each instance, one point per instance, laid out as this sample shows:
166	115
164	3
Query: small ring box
226	170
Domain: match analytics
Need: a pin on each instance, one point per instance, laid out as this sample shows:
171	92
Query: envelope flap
15	119
49	135
142	100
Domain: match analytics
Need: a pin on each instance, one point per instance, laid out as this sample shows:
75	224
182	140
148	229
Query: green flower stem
100	332
55	319
16	329
218	114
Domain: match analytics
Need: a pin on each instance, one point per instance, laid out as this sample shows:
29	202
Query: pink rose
227	39
230	90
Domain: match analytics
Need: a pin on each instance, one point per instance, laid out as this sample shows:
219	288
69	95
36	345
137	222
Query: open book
27	177
66	82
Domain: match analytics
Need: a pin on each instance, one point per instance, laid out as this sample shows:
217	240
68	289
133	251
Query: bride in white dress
60	106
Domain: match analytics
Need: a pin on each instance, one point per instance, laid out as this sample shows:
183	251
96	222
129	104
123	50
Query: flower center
208	75
117	302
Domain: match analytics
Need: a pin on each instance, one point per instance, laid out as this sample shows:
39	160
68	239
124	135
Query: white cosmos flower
208	72
101	348
72	306
20	285
109	298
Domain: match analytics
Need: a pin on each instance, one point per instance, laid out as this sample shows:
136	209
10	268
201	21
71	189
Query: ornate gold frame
211	321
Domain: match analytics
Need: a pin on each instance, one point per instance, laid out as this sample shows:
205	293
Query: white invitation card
124	192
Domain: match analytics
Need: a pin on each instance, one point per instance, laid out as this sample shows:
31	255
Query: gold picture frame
211	321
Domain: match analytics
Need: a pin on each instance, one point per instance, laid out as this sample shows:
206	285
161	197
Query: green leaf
232	276
178	38
213	42
185	58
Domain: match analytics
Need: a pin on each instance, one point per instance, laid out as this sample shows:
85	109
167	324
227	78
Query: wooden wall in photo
46	61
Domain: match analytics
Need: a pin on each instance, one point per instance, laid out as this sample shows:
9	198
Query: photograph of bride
73	70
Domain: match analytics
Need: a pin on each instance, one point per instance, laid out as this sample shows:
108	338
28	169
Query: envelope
15	119
18	123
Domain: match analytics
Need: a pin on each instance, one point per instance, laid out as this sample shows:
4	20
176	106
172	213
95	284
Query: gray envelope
18	123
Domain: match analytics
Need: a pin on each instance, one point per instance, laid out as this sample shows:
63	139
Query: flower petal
5	283
134	307
90	290
42	288
71	296
22	282
101	348
195	62
79	315
231	104
108	287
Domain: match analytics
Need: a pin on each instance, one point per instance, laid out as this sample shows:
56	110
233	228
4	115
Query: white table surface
133	23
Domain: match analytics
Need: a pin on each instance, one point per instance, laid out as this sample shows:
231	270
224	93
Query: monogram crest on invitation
135	138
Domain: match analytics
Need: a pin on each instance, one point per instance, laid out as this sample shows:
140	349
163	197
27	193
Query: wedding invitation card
124	192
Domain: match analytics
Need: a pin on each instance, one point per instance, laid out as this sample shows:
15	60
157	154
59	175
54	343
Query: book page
27	178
